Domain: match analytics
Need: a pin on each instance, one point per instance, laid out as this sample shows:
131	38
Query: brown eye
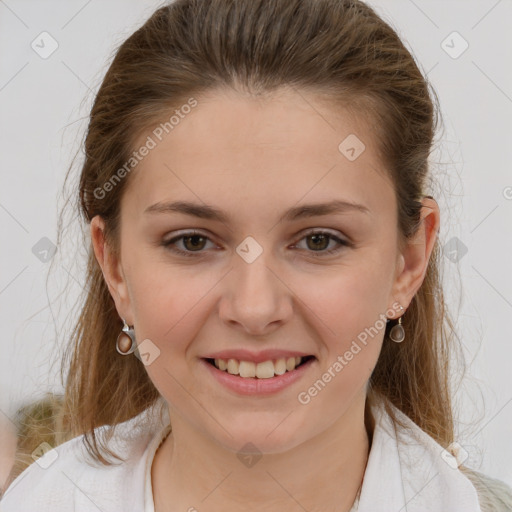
317	243
192	242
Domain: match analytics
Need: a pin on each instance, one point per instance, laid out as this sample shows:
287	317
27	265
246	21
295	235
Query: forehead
235	148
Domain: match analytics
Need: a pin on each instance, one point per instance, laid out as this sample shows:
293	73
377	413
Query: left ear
413	261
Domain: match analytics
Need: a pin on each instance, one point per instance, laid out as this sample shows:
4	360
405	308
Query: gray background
43	108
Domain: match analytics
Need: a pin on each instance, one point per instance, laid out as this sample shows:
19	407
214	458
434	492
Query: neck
190	471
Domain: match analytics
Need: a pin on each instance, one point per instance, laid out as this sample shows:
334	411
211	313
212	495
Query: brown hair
342	51
37	422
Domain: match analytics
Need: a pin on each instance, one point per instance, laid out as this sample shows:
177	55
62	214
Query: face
270	274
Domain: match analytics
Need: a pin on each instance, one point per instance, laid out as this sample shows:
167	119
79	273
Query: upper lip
255	357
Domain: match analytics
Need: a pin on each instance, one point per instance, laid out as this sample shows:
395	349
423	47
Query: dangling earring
397	333
125	343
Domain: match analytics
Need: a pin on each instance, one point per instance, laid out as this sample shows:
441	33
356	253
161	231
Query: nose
256	298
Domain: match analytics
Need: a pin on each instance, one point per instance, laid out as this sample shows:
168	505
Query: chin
257	441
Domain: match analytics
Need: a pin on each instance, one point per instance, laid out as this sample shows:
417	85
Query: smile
258	378
262	370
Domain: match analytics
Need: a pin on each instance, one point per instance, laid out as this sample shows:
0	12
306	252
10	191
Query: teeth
263	370
233	366
290	363
280	366
247	369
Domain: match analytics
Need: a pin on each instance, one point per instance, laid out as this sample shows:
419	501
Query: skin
254	158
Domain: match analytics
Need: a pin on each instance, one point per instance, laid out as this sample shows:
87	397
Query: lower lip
255	386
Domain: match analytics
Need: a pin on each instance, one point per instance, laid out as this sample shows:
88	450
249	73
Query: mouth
265	378
265	370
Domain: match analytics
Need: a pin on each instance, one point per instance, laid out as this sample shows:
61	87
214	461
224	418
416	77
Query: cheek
170	303
349	318
348	309
170	307
349	296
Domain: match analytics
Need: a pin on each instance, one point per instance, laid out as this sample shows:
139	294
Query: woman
264	324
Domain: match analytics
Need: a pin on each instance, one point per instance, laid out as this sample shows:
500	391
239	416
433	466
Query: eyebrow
205	211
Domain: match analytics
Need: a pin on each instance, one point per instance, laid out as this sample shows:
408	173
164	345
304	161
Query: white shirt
406	470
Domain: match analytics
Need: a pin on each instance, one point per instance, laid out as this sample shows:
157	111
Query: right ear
112	270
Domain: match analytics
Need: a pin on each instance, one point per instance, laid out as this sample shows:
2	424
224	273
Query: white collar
407	471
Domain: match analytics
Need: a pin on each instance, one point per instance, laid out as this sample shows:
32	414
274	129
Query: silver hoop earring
397	333
125	343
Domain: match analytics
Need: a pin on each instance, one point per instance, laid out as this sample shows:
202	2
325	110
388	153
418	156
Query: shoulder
47	484
456	487
66	478
493	494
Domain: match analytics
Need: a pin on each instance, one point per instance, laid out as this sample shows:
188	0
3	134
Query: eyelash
316	254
